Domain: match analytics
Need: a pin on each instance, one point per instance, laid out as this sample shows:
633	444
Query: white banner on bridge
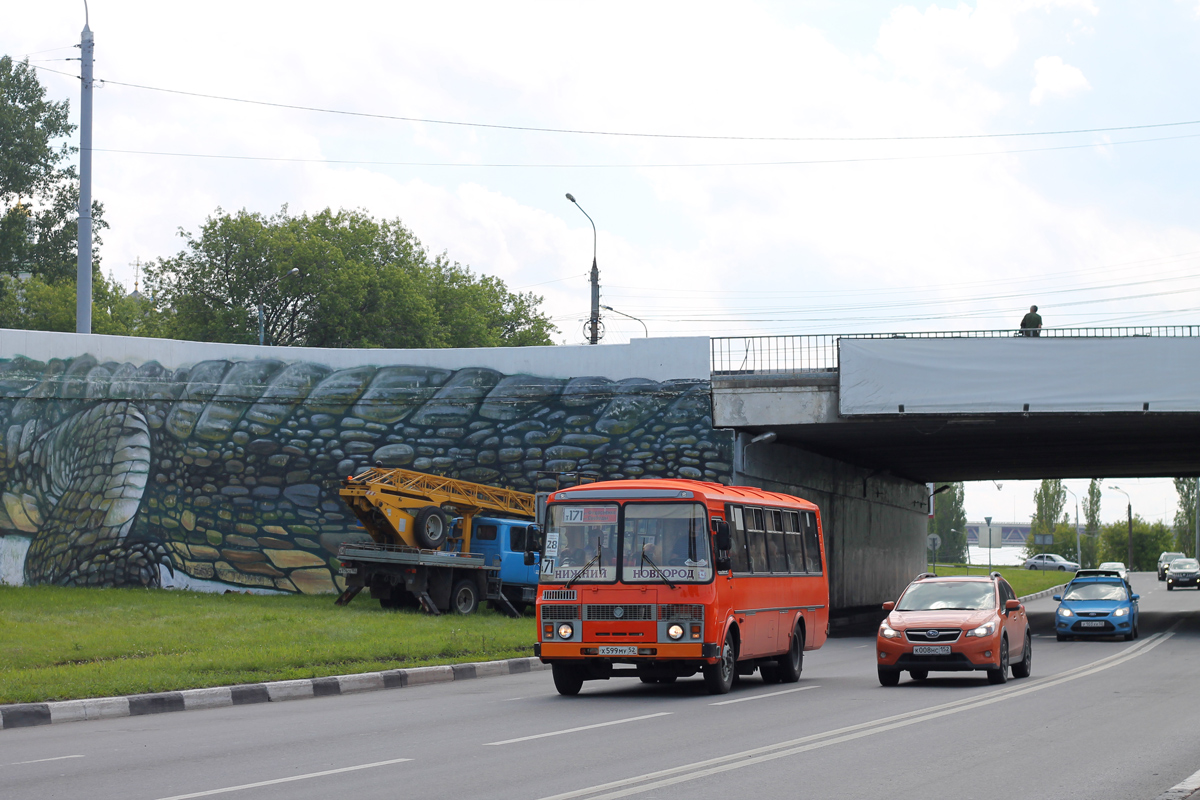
1018	375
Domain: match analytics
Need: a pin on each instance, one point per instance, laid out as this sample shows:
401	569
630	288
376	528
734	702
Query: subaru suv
954	624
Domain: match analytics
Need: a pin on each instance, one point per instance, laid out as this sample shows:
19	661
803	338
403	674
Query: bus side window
795	542
484	533
739	560
776	548
756	541
812	547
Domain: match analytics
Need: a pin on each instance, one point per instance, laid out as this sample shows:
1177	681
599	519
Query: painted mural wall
136	462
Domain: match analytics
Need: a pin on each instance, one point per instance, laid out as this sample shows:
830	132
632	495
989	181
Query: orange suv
954	625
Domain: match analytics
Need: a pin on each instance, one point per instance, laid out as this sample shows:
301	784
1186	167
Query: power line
645	135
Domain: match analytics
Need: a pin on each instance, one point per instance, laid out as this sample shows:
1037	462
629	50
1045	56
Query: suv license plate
613	650
931	650
1091	624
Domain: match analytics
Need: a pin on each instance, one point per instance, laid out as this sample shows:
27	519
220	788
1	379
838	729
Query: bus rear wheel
719	677
791	663
568	679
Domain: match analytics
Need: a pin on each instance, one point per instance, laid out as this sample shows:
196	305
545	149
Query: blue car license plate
1091	624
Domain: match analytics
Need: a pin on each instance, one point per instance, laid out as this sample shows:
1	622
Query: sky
800	167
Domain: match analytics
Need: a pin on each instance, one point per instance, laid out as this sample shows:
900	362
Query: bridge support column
875	524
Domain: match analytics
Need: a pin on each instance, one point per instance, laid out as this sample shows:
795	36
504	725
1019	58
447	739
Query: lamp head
293	271
571	197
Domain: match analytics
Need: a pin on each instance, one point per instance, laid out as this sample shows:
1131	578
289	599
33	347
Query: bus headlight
566	630
675	631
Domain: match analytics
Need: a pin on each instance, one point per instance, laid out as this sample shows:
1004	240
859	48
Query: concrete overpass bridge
860	423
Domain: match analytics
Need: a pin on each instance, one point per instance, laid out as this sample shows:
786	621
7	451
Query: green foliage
32	303
39	195
1023	581
1185	515
1048	518
63	644
361	282
1149	539
950	522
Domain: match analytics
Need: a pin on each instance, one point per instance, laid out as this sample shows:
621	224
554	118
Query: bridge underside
933	448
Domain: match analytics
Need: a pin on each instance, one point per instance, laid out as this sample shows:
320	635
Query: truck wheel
464	597
568	679
719	677
430	527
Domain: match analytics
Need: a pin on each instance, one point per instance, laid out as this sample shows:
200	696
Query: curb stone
24	715
1043	593
1182	790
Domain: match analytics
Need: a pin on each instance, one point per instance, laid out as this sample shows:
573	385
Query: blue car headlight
1120	612
1065	612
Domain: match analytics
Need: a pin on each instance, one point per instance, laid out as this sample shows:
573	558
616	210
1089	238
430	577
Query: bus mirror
724	540
530	558
723	564
533	539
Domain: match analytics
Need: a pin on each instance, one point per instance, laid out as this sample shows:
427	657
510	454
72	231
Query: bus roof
661	487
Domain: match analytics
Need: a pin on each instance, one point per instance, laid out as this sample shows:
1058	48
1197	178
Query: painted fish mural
228	470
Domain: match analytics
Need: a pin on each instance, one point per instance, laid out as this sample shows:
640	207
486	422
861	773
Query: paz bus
662	579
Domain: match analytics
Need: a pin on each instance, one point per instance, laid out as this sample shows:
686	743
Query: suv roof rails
995	575
925	575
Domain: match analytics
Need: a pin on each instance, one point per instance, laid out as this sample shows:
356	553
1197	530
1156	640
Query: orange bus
661	579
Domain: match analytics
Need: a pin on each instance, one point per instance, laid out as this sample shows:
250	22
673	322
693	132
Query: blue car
1097	605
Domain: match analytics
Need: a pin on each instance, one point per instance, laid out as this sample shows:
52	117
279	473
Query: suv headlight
889	633
1066	612
675	631
1120	612
983	630
566	630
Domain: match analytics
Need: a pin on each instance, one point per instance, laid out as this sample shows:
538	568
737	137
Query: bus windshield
581	544
666	543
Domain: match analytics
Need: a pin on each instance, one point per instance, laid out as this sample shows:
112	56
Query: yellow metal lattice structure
402	490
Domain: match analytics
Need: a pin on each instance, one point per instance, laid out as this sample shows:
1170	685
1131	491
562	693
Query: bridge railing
734	356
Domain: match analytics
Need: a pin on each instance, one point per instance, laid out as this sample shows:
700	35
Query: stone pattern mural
229	470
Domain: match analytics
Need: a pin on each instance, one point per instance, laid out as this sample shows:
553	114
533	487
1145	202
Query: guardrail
733	356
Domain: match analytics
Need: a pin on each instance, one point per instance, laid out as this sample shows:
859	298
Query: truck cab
502	542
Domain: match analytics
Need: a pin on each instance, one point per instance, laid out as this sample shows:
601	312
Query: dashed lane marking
40	760
304	777
576	730
761	696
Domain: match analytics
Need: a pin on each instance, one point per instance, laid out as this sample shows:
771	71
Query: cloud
1053	77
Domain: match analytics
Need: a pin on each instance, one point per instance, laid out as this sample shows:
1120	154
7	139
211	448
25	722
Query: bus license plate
614	650
1091	624
931	650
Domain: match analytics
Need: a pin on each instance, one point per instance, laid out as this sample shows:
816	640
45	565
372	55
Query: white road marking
510	699
760	696
40	760
1182	789
285	780
712	766
574	730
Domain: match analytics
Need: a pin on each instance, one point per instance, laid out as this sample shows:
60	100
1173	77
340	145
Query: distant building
1012	534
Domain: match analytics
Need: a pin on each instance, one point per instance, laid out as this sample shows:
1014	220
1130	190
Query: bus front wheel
719	677
568	679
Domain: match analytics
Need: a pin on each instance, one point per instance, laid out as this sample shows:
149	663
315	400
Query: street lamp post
594	320
1078	546
631	316
261	317
1129	512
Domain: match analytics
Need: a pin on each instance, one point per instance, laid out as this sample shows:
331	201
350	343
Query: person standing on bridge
1031	323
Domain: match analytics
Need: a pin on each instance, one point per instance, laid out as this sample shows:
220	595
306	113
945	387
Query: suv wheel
1025	666
889	677
998	676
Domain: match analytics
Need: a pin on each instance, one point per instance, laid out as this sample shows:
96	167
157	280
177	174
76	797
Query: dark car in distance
1164	561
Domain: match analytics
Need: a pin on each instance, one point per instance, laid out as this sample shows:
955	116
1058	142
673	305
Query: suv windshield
1185	565
579	536
1096	591
959	595
666	541
1169	557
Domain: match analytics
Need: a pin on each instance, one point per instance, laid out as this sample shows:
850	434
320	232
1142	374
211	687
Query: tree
32	303
1185	515
1149	539
950	523
1049	500
360	283
39	194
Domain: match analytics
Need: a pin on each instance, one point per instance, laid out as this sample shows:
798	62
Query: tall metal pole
1078	546
1129	511
594	321
83	274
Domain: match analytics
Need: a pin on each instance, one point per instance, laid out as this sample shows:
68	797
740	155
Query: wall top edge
665	358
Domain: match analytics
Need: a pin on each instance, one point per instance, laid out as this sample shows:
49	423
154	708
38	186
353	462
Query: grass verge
64	644
1023	581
